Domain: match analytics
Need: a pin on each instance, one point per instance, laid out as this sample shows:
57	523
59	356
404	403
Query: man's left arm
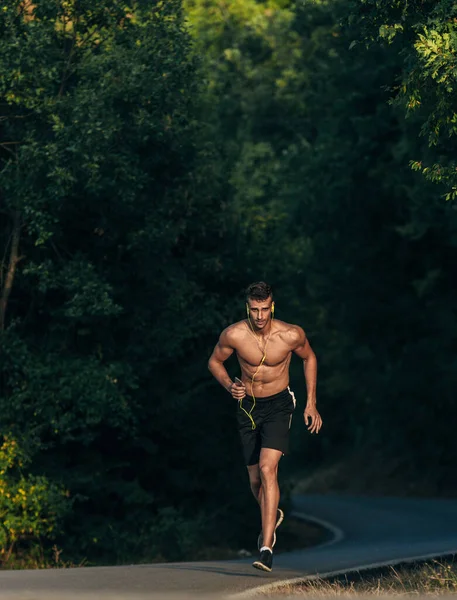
302	348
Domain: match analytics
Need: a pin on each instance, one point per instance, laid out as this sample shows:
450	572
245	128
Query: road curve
366	531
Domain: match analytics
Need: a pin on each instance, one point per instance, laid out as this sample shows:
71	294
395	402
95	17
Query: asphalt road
365	531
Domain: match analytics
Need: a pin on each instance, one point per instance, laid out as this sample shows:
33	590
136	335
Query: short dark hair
259	291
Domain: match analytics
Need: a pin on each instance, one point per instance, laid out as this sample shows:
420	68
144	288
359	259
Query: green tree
30	507
425	35
377	285
98	212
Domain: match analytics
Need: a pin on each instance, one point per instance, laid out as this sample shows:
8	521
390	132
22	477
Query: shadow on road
220	570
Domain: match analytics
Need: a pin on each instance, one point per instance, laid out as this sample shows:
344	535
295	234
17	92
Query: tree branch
13	261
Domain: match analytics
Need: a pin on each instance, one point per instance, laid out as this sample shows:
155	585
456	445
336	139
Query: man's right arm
221	353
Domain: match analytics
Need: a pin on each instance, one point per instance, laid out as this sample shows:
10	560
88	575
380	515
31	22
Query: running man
264	347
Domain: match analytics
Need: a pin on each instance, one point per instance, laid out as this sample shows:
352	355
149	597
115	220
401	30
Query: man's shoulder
291	333
234	332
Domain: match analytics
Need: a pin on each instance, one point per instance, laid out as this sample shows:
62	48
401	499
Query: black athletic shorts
272	416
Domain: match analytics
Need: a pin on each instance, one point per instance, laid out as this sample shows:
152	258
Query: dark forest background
157	158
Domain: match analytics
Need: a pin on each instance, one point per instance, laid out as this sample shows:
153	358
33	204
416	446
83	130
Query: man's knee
254	476
268	470
254	480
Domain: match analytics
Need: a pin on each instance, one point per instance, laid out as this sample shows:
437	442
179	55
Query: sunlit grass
434	578
35	557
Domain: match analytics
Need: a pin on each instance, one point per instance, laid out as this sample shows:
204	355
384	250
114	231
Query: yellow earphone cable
257	370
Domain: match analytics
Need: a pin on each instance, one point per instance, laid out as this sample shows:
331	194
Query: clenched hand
238	390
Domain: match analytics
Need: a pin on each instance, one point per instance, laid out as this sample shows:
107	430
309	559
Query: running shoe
279	520
265	561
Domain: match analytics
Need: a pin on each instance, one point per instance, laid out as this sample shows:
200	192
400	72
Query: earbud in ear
247	309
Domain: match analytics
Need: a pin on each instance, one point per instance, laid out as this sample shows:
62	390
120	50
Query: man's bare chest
251	352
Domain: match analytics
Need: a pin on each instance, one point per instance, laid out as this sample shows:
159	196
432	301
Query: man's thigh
269	458
276	431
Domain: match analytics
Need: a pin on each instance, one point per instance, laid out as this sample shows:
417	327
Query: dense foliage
154	161
425	36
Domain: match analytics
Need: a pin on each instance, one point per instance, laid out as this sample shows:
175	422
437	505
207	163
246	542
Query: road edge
275	585
337	534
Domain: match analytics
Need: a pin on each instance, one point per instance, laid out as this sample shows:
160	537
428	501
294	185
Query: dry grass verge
433	578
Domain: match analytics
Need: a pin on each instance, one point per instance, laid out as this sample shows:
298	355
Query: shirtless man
265	402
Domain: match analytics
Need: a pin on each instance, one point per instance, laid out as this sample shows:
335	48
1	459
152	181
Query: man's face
260	312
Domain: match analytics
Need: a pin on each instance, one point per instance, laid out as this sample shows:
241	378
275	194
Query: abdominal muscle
269	380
